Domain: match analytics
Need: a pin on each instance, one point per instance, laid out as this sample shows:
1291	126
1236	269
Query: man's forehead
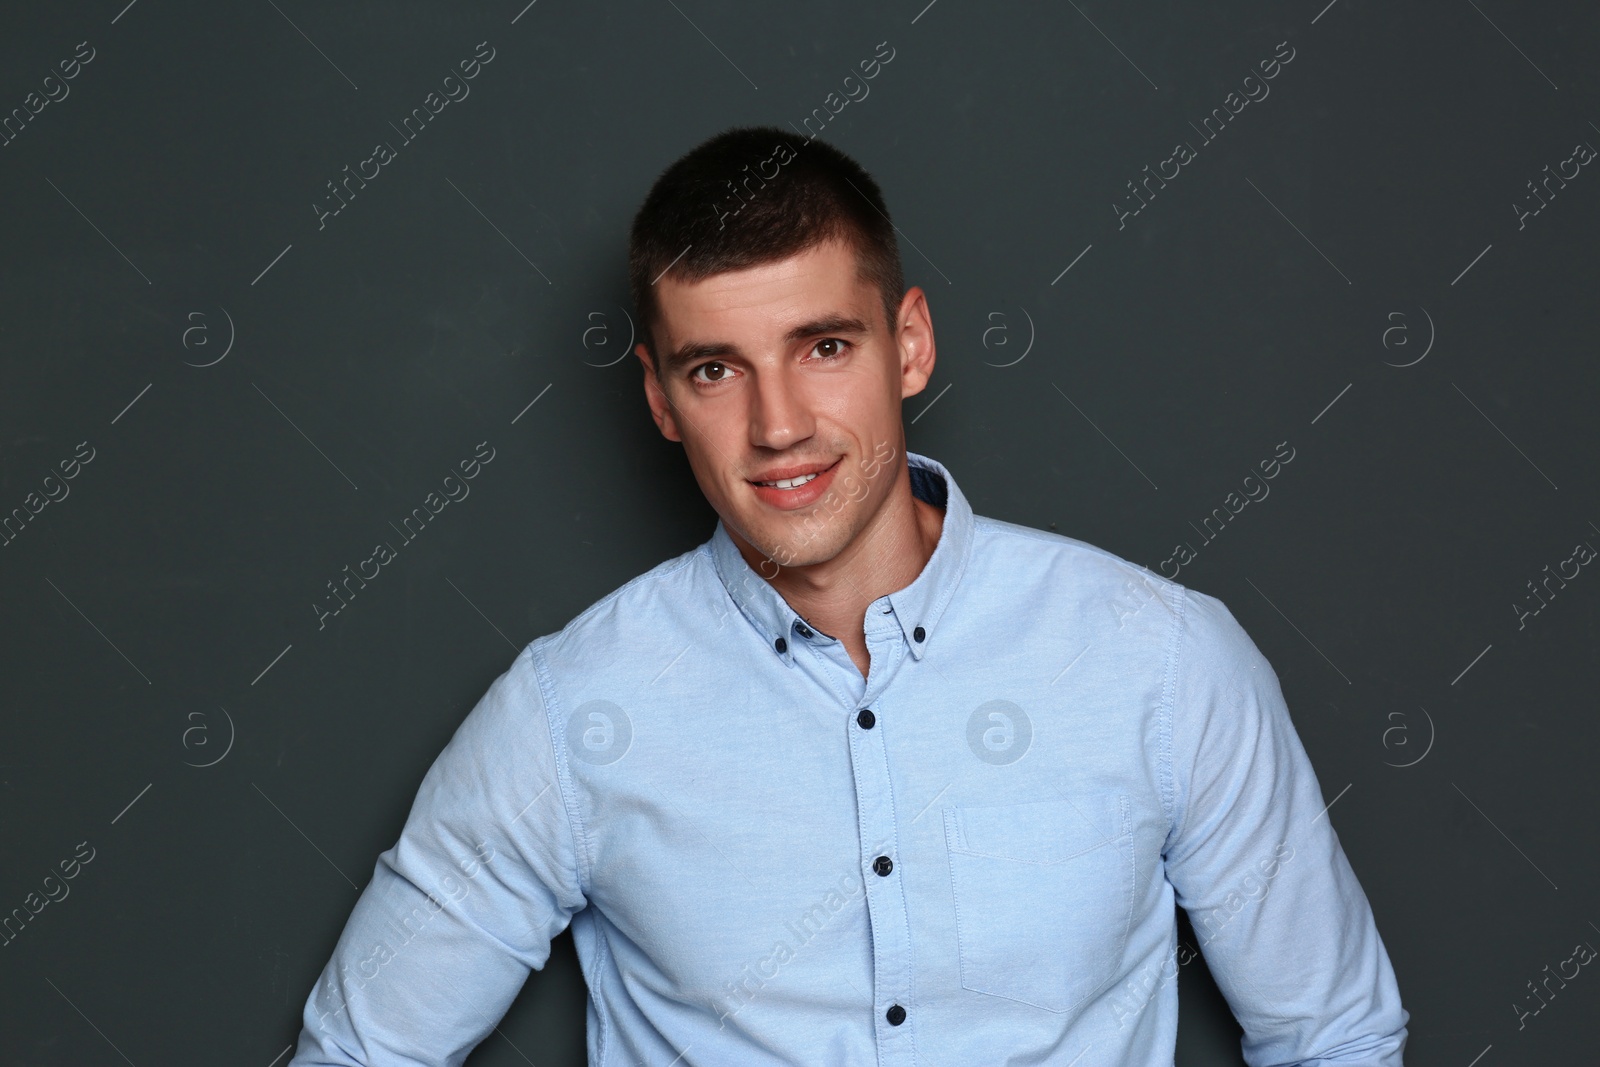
829	266
772	297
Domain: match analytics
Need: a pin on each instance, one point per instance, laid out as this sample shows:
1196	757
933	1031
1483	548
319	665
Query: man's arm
484	875
1282	921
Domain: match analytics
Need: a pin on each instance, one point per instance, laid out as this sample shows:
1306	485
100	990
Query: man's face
785	370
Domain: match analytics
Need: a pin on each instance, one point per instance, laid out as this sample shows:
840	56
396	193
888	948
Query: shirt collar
917	607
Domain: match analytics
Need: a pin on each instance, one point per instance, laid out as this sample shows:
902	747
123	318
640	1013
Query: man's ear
660	406
914	341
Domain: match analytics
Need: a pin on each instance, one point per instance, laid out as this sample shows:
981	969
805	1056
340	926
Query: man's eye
829	348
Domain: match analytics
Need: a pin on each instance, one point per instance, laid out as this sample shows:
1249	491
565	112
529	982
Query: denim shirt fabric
971	856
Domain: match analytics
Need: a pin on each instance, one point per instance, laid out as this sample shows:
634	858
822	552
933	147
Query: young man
865	778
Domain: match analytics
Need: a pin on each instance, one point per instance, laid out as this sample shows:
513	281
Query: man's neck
833	596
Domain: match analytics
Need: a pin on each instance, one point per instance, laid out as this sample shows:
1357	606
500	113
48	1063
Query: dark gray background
159	617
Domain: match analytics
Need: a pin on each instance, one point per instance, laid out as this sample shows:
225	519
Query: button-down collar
917	607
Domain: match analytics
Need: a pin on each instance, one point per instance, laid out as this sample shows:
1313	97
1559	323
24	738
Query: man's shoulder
1055	565
1110	591
637	613
1065	564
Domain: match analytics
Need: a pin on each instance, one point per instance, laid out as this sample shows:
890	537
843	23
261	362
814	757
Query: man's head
753	195
777	337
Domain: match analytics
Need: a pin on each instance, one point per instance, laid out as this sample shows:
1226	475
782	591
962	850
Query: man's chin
793	547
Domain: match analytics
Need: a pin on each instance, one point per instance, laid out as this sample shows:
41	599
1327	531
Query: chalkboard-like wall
287	282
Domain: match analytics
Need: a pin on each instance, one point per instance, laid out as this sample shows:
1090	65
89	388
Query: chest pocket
1043	896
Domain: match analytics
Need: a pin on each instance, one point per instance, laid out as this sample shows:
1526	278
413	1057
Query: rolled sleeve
1282	921
485	874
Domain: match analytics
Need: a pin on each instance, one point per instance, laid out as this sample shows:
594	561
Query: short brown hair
720	207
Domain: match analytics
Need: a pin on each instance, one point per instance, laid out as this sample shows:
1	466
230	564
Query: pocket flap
1044	831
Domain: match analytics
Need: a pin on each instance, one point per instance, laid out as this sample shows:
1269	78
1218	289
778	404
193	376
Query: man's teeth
789	483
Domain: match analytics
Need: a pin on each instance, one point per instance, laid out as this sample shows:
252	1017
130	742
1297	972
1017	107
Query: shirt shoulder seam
1169	711
575	823
547	691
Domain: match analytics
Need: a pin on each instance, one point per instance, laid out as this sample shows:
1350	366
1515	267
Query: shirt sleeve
463	906
1283	923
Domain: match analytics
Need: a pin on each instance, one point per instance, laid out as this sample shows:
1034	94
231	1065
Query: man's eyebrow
692	351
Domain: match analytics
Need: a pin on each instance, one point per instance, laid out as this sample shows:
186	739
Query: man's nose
780	413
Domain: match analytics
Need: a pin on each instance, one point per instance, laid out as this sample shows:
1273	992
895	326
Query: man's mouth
792	477
790	483
795	486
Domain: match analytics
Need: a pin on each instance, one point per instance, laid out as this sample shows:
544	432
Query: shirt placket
879	840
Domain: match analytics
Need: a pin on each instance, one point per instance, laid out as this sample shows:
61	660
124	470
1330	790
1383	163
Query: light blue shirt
969	857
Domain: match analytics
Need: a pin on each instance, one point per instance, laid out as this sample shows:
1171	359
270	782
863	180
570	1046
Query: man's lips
777	474
796	496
